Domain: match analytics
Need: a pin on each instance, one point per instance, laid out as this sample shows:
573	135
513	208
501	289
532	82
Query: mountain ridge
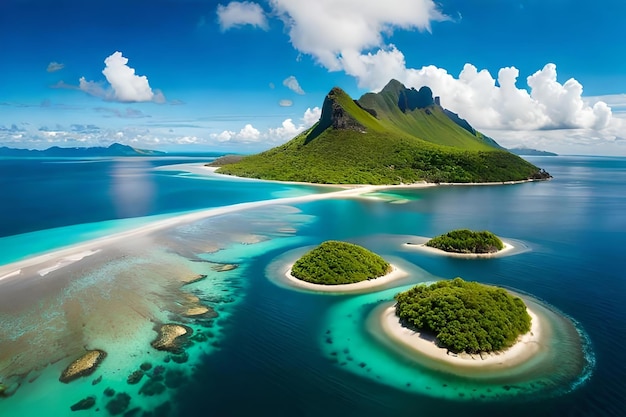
396	136
115	149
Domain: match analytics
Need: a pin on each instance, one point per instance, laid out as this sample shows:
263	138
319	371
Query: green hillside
386	138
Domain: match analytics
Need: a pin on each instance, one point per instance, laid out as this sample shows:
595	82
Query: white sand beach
395	274
526	347
422	247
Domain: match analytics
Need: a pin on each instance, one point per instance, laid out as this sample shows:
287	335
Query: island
334	262
467	241
463	243
336	266
397	136
464	324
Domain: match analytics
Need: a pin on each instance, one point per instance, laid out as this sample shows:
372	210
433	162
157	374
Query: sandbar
51	261
527	346
395	274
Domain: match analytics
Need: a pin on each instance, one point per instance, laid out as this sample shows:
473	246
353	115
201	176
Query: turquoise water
268	352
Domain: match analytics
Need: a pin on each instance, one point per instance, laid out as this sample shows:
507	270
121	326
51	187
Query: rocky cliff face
333	114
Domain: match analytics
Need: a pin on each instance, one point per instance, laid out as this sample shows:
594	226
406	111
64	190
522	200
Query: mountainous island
115	149
398	135
530	152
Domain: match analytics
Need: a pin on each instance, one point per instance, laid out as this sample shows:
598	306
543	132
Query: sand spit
57	259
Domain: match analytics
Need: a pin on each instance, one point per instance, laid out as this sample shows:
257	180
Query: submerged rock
109	392
85	365
180	358
133	412
170	337
6	390
84	404
200	311
135	377
174	378
151	388
97	380
146	366
192	279
224	267
119	404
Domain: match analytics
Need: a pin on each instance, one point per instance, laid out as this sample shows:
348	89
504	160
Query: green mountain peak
399	135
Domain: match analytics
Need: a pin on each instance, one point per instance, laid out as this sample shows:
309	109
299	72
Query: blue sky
246	76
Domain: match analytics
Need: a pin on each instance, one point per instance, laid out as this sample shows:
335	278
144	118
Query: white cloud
490	103
285	103
354	41
248	134
91	87
292	83
326	29
286	131
237	14
55	66
127	86
124	84
311	116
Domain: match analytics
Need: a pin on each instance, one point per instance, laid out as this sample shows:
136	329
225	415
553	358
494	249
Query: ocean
272	350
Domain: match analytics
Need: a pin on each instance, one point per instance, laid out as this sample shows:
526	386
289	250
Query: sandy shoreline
527	346
395	274
50	259
422	247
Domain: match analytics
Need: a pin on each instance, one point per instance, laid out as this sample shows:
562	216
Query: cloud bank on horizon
354	39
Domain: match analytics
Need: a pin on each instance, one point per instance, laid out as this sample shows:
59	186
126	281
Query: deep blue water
43	193
271	360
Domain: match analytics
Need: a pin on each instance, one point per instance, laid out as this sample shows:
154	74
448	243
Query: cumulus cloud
353	41
287	130
126	85
498	103
55	66
285	103
292	83
311	116
326	29
248	134
123	84
237	14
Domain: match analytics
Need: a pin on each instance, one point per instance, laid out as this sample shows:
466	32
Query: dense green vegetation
382	158
335	262
387	149
464	316
467	241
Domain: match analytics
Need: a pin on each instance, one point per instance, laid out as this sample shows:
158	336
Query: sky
207	75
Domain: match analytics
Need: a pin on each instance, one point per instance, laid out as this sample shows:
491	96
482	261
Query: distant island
530	152
467	241
464	317
115	149
335	262
397	136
